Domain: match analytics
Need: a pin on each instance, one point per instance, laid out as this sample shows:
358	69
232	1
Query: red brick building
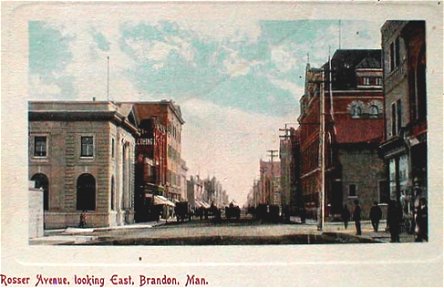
354	129
158	154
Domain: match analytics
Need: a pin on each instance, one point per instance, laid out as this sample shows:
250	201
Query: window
384	195
378	81
393	122
112	147
40	146
112	192
87	146
366	81
374	111
394	54
356	111
352	190
398	115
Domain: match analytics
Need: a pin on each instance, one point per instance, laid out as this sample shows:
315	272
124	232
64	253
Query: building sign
144	141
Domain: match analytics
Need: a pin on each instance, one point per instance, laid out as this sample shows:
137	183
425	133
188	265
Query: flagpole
107	78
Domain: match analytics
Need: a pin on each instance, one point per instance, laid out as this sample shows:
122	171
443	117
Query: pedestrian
345	214
357	217
82	223
394	218
375	215
416	206
421	221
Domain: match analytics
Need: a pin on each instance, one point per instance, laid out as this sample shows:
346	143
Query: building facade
289	153
404	149
168	117
82	154
351	87
270	183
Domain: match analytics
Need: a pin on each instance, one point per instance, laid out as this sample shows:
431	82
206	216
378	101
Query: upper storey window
356	111
394	54
374	111
40	146
87	146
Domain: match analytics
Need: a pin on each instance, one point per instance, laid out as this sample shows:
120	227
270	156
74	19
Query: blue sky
236	84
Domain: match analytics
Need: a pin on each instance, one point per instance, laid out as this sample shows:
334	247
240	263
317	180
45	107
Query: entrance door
86	192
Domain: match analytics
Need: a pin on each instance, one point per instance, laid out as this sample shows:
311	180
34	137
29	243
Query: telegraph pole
286	160
272	155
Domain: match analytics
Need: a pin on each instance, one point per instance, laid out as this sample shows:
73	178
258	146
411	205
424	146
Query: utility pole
272	155
286	160
321	153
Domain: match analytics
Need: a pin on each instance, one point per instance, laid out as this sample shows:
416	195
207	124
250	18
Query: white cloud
158	51
234	65
228	143
296	90
284	57
232	29
38	89
88	65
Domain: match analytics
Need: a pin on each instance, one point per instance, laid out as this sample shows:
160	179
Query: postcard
187	144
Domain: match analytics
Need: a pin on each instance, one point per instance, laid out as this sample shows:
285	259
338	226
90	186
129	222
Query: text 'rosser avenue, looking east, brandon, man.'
95	281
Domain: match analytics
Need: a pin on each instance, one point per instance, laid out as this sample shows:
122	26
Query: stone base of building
57	220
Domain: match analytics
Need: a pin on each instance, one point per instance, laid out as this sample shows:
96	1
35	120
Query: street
246	231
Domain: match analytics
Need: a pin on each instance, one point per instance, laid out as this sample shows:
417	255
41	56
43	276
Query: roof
83	111
352	130
143	110
344	63
369	62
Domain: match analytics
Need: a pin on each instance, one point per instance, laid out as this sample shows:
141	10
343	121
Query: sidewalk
75	235
367	231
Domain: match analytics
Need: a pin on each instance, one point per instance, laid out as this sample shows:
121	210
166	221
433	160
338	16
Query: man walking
345	216
375	215
357	217
394	218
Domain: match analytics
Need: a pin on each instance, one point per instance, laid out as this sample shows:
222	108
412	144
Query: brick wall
363	168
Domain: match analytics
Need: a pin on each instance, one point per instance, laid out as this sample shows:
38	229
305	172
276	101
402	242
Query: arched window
356	111
86	192
374	111
41	181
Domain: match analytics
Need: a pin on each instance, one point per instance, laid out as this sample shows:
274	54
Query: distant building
289	154
82	154
269	183
404	149
183	180
354	102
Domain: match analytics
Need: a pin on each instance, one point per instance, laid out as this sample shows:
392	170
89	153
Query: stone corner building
404	148
82	155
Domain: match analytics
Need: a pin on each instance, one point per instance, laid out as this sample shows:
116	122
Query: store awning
160	200
202	204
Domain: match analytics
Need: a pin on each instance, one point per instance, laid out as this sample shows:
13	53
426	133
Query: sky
237	81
